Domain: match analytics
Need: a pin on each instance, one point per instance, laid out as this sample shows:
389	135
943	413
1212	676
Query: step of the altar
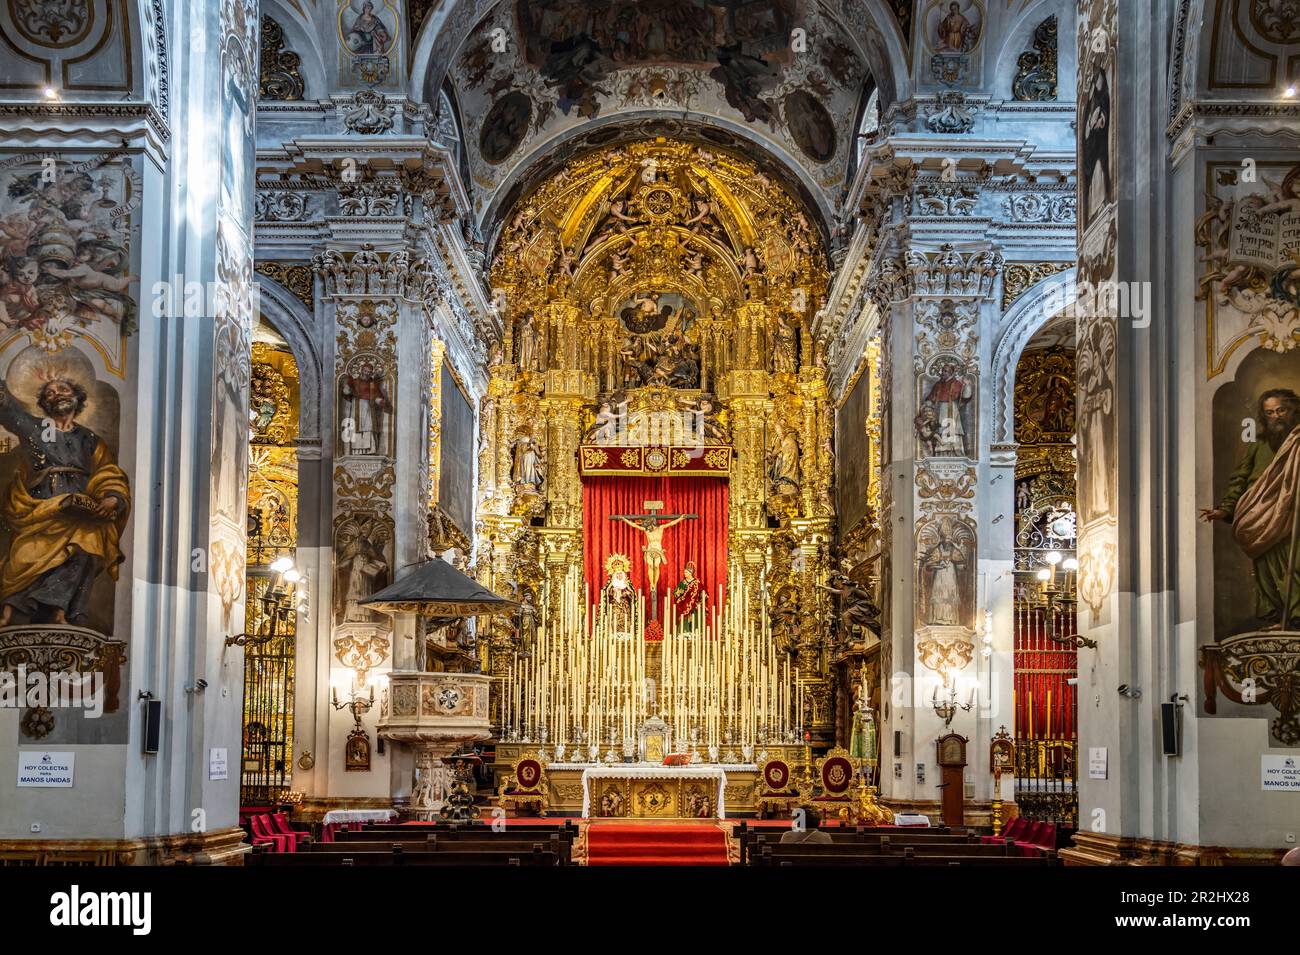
653	843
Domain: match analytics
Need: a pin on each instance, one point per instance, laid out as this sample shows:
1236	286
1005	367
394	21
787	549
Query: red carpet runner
653	844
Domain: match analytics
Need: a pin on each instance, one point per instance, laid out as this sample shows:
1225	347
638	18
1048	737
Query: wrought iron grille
266	760
1046	703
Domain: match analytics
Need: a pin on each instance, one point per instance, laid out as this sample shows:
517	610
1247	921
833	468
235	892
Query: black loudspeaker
152	725
898	743
1169	728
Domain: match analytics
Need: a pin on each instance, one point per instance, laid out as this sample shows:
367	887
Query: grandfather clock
952	760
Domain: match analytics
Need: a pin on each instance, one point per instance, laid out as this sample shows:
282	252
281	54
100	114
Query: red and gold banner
614	461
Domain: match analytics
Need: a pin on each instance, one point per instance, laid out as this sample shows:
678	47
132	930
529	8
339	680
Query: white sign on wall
40	769
217	764
1097	762
1279	773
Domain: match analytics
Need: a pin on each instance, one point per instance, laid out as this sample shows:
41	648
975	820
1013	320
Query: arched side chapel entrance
265	768
1034	425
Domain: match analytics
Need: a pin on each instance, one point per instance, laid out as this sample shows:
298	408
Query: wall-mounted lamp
356	753
947	708
285	596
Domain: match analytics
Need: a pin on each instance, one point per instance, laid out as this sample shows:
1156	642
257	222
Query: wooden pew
809	858
751	839
492	858
559	841
980	861
468	842
987	850
804	854
867	853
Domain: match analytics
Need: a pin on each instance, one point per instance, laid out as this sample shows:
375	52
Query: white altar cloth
358	815
712	771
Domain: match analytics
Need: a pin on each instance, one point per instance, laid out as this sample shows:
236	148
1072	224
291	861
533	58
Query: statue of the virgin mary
617	597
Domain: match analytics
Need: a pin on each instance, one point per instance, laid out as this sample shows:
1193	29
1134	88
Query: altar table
651	791
337	819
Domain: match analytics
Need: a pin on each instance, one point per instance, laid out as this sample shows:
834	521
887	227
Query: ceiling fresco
533	70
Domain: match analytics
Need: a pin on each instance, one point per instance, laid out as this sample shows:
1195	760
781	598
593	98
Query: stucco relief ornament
362	652
949	272
1277	323
943	657
941	199
370	114
52	24
1277	20
281	206
1096	571
950	114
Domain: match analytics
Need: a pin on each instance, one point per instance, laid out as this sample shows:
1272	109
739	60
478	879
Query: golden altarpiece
657	299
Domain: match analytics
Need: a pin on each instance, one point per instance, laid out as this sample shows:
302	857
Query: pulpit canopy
437	589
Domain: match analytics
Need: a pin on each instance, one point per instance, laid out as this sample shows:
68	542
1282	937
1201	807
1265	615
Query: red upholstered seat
777	778
264	834
282	827
1035	838
528	777
836	778
1047	837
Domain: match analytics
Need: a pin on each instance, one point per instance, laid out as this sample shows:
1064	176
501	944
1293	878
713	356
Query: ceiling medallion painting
810	125
505	127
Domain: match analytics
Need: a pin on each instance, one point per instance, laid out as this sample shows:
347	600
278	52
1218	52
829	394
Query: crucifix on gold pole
653	551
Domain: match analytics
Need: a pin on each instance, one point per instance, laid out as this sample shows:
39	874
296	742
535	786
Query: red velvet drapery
703	540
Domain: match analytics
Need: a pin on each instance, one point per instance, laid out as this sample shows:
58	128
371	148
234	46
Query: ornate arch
290	318
887	57
548	156
1027	315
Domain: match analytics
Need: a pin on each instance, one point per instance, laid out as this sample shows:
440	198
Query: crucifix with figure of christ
653	551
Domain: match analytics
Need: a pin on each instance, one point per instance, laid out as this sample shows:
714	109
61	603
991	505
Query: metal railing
265	763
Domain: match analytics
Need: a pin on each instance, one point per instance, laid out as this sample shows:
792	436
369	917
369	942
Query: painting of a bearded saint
1260	502
66	507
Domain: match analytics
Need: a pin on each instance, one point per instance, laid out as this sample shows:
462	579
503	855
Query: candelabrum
285	595
358	706
1060	598
947	707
